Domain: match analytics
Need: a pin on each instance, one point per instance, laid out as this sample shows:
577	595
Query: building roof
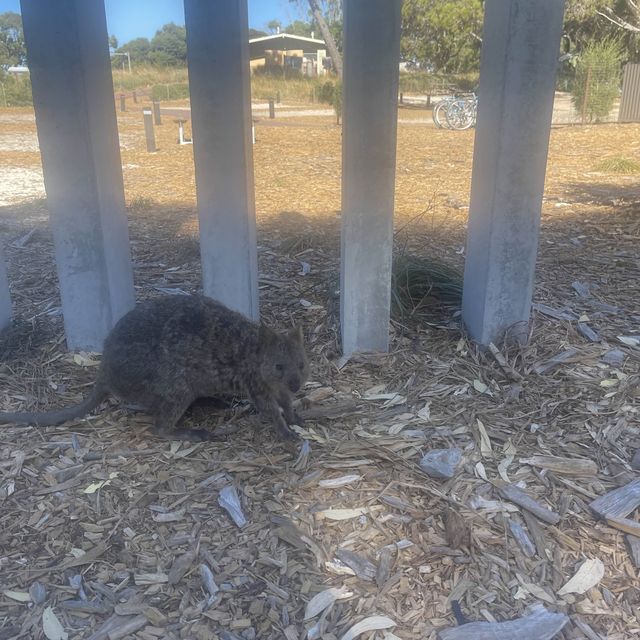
283	42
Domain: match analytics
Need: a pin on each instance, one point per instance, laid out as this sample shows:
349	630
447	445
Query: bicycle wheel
459	115
439	114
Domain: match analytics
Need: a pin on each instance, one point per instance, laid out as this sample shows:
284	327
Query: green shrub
325	92
597	80
15	92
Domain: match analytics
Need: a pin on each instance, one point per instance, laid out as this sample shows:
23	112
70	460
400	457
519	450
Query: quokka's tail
50	418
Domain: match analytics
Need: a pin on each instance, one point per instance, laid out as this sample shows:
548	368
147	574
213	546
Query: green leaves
442	34
12	49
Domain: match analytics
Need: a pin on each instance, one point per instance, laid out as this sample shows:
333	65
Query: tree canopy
168	47
12	49
444	35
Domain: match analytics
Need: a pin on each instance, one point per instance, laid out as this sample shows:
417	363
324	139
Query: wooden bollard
148	130
123	105
135	97
157	118
272	109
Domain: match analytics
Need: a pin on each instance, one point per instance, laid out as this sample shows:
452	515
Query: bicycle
439	111
456	112
461	113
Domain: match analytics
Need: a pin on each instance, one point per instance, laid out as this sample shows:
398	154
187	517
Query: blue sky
128	19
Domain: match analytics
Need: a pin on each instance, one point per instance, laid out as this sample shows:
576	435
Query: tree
113	42
327	36
12	49
169	46
138	50
589	20
330	27
300	28
256	33
626	15
274	26
443	34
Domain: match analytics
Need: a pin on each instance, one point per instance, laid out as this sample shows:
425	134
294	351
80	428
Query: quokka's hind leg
167	415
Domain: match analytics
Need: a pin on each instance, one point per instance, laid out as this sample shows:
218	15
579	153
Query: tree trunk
336	58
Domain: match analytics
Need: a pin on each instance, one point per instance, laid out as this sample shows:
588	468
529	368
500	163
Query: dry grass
154	519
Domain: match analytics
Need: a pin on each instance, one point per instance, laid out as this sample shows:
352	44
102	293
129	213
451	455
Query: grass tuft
423	286
618	165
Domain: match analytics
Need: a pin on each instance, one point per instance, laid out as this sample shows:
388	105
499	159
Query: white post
321	54
370	90
517	79
68	55
218	57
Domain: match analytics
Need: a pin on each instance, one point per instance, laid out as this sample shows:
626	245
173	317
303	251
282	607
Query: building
285	51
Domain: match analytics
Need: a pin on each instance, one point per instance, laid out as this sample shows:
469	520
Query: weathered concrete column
68	55
5	297
517	78
149	133
370	96
218	58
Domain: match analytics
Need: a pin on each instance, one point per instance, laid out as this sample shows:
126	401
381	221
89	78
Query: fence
593	96
630	102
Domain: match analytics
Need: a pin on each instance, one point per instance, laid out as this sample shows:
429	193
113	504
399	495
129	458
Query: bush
325	92
15	92
597	81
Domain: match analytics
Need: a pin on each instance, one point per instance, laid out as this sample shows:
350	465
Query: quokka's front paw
297	419
286	433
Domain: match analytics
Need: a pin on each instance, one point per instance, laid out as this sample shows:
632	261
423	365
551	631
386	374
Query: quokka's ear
296	334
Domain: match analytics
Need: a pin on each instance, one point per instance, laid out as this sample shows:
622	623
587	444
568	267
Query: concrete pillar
517	79
68	56
5	297
149	133
218	58
370	97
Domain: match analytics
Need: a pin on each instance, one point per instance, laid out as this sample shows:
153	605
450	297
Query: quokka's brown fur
167	352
